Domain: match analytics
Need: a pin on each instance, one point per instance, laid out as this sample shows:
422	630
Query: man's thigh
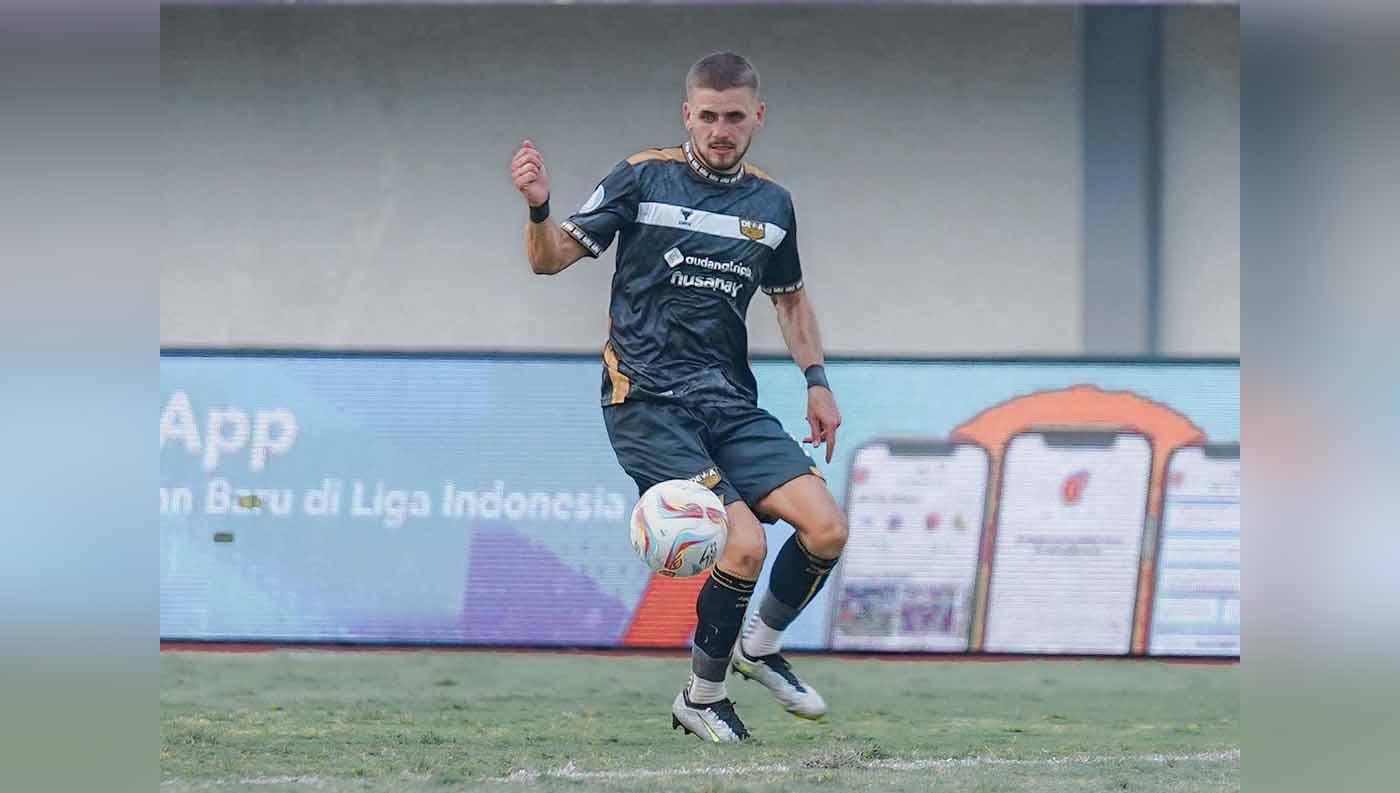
755	453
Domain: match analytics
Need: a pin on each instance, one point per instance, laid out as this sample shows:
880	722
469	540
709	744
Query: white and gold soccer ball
679	528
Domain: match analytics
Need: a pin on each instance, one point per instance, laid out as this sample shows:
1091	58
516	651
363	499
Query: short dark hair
721	71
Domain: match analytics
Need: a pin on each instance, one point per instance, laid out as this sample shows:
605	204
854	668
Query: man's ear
762	113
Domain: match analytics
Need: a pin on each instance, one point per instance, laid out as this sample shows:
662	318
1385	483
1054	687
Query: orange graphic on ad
665	616
1081	407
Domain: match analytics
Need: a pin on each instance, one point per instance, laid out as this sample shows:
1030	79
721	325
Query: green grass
429	721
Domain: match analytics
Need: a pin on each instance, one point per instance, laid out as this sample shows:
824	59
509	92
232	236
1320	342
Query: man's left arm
798	322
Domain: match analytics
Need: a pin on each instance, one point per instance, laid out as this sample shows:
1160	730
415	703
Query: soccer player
699	232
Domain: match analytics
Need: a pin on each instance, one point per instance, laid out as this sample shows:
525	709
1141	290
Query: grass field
440	721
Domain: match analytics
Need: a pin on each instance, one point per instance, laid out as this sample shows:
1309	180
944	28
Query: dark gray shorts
738	450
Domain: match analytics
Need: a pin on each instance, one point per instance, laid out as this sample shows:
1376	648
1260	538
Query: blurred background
1020	227
1018	180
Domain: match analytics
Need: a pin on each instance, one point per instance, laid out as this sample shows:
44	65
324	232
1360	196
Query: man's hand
823	417
528	173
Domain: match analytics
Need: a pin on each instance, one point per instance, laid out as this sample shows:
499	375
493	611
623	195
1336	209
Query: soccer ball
679	528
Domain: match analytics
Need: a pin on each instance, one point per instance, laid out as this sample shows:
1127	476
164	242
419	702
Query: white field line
259	781
572	772
569	771
307	781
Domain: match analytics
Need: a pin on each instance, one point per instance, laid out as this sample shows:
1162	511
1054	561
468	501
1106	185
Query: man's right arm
549	247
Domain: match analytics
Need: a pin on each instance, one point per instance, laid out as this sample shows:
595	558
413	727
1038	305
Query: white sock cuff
760	638
702	691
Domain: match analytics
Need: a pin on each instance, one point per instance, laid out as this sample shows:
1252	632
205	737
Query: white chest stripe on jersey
719	225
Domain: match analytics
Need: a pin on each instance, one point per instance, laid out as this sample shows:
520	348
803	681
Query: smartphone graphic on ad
1196	601
907	578
1068	545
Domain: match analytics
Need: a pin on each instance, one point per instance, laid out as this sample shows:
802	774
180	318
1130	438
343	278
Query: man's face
722	124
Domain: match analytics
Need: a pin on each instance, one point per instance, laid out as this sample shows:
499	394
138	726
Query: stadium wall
335	177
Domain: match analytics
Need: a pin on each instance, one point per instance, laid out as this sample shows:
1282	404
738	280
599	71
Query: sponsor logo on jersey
753	229
716	283
674	258
731	266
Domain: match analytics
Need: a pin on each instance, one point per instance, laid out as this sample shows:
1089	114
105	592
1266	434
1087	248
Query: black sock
720	607
797	576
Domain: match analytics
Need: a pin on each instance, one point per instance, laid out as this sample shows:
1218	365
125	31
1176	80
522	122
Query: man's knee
826	537
744	554
746	544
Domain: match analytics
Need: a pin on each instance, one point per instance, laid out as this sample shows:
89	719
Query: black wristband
816	375
540	213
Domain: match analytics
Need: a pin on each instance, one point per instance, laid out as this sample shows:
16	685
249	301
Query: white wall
1200	309
338	177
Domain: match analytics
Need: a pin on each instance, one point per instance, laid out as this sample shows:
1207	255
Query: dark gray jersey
693	247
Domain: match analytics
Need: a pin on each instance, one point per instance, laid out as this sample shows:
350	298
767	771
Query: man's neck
703	170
